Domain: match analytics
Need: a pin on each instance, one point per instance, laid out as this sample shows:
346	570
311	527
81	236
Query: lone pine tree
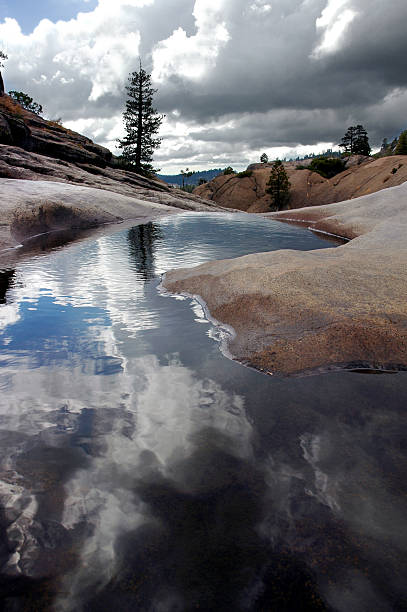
141	123
278	185
356	141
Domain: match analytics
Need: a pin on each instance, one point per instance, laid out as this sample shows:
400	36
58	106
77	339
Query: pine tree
356	141
264	158
3	58
401	148
26	102
278	185
141	123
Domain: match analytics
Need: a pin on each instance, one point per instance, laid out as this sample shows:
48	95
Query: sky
235	78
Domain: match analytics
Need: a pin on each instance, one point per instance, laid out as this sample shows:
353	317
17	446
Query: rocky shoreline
296	312
53	179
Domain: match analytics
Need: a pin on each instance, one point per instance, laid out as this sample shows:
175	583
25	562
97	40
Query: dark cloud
274	79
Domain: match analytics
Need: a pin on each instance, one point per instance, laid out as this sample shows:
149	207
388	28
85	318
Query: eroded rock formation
361	177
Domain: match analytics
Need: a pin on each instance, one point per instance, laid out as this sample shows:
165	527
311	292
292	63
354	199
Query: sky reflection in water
140	469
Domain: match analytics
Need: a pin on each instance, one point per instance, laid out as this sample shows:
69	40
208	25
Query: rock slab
296	312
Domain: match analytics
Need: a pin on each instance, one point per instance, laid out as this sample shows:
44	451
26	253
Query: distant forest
176	179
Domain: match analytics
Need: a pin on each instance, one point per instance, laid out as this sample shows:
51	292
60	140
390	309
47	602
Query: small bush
301	167
228	170
327	166
244	173
394	170
188	188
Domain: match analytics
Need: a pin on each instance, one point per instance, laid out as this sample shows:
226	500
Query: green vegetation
186	174
278	186
264	158
141	123
327	167
356	141
188	188
228	170
244	174
26	101
401	148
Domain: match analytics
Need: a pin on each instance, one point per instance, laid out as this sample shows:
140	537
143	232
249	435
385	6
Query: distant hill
176	179
363	175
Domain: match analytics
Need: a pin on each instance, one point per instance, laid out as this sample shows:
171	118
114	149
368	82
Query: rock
22	128
302	311
363	175
65	181
33	207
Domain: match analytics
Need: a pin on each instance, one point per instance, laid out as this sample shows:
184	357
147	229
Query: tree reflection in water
142	240
6	281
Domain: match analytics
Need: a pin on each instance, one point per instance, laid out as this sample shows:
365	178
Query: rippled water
142	470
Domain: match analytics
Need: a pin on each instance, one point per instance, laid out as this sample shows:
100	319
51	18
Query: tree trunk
139	126
1	85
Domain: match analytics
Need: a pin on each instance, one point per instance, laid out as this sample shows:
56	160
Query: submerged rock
295	311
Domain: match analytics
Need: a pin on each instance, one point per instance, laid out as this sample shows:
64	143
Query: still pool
142	470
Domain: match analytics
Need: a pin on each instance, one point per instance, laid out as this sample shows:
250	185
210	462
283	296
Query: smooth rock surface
30	207
299	311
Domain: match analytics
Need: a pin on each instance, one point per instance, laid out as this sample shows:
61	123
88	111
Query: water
142	470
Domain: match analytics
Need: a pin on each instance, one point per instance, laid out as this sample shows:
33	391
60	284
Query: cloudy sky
234	77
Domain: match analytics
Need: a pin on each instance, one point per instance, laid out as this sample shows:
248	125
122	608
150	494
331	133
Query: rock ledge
296	311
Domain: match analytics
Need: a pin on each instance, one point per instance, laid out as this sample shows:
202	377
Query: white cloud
260	6
334	21
96	49
287	73
192	56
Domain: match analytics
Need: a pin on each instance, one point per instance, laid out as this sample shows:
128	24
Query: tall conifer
401	148
356	141
278	185
141	122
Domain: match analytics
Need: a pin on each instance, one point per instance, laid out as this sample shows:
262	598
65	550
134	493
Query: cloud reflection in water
140	469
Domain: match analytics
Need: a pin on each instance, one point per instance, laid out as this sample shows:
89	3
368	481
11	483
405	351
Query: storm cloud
234	77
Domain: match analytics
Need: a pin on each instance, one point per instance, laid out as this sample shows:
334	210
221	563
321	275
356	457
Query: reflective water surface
142	470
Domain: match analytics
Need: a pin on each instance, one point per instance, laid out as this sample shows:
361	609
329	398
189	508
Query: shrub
188	188
26	102
244	173
229	170
326	166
